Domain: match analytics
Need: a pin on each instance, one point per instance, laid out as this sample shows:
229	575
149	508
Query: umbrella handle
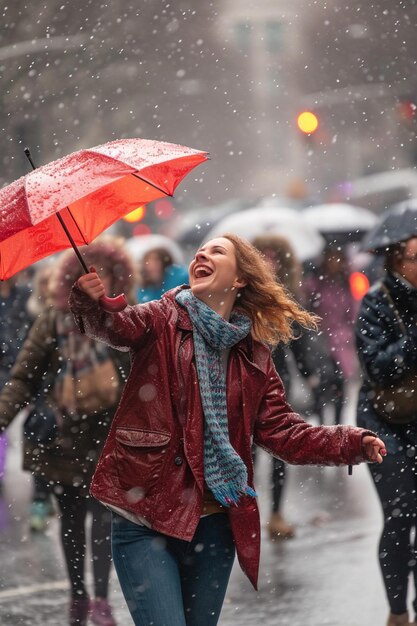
113	305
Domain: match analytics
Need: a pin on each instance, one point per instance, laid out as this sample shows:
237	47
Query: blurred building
228	76
268	37
351	65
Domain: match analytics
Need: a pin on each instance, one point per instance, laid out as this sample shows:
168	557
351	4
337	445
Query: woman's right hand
92	285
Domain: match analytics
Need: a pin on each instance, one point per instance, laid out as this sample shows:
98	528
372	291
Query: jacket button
178	460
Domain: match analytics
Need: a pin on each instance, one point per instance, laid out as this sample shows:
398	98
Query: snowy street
327	574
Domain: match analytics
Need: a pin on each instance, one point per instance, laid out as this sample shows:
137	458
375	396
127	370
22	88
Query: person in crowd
42	504
386	339
78	381
176	469
329	296
158	274
308	354
14	325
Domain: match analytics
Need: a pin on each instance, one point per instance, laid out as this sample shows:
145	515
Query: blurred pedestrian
42	505
78	381
177	468
14	325
329	296
158	274
306	351
386	338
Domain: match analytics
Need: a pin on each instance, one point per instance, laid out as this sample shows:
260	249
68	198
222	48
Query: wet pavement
327	575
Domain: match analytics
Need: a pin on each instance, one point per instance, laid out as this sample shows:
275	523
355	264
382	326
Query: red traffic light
359	285
407	110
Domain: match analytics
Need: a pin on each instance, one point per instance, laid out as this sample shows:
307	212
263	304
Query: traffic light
407	110
163	209
359	285
407	113
136	216
307	122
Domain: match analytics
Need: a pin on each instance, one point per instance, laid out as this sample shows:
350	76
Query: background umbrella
397	224
339	222
304	238
192	227
138	246
86	191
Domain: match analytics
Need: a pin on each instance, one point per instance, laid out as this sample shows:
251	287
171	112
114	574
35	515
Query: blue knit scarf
224	471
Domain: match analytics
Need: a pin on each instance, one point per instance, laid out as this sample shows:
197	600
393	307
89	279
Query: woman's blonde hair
269	305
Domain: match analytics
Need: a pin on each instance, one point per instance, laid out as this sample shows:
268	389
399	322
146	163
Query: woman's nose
201	256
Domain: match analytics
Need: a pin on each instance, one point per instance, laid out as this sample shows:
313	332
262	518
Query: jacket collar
184	321
401	292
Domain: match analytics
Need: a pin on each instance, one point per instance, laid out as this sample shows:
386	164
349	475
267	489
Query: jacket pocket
140	458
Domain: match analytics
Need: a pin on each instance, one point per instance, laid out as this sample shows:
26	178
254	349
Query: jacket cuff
80	302
364	433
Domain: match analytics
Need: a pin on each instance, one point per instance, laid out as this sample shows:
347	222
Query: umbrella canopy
397	224
340	222
411	203
90	189
141	244
192	227
304	238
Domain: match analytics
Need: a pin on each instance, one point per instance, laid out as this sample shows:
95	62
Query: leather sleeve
125	330
287	435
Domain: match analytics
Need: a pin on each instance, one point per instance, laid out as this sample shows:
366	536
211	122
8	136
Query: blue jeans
170	582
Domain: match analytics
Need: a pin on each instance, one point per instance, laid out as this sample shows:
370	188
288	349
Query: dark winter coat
152	462
71	459
385	354
310	356
14	325
37	363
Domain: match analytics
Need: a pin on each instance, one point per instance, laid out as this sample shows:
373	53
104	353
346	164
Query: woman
159	274
330	297
14	325
386	337
176	469
307	352
51	369
42	505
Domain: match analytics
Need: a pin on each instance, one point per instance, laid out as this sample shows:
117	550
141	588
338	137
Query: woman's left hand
374	448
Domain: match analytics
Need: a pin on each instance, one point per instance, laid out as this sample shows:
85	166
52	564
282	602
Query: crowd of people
132	418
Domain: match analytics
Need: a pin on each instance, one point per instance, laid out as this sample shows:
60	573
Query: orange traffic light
137	215
359	285
307	122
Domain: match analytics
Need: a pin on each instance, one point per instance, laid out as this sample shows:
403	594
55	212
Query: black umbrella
397	224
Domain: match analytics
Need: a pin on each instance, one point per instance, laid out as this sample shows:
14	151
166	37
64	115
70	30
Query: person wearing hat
306	351
74	383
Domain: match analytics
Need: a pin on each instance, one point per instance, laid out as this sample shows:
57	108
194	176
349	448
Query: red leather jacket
152	462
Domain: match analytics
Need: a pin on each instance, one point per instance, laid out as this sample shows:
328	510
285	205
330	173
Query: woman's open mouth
202	271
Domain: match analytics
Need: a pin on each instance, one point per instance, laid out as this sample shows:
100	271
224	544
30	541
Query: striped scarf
224	471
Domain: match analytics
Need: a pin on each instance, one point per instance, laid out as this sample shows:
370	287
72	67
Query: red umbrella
72	200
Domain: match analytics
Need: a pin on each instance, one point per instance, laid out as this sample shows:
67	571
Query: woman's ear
239	283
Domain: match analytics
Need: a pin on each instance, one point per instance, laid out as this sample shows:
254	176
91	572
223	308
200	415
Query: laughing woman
176	469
